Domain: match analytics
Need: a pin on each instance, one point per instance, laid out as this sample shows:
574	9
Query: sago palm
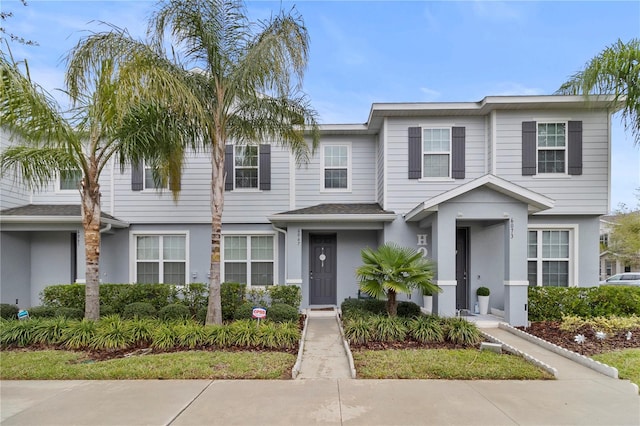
246	77
48	141
392	269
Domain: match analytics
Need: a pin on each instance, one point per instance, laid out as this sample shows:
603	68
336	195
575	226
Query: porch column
294	256
516	284
444	243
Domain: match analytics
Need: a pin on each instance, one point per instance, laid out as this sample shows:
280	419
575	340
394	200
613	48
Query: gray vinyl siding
403	194
193	203
13	192
15	271
380	167
578	194
309	177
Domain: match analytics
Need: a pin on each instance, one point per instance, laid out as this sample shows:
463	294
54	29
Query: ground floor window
161	258
549	260
248	259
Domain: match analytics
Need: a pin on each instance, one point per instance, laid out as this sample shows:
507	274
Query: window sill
436	179
245	190
334	190
551	176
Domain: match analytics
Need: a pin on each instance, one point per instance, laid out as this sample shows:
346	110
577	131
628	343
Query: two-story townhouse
503	193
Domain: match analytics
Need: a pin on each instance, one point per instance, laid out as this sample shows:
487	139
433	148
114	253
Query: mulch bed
551	332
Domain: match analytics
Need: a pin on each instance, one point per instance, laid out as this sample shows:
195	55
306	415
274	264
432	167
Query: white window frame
565	148
448	153
573	230
248	260
235	168
65	190
146	167
323	167
133	255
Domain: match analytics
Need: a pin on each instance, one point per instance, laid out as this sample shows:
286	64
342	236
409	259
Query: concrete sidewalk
329	402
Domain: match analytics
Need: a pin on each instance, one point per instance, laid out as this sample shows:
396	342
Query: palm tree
392	269
50	141
246	77
615	70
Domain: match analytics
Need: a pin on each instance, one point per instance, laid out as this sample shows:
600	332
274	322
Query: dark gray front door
462	262
322	269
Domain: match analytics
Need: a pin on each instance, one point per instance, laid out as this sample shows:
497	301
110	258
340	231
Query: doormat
323	309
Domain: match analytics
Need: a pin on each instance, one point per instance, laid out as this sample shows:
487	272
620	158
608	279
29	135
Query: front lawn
67	365
627	362
453	364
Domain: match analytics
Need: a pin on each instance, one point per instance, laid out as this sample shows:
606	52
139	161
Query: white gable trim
537	202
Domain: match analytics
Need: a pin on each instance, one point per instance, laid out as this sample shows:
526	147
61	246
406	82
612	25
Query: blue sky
393	51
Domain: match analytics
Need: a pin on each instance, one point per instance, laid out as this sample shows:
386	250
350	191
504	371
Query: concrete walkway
324	356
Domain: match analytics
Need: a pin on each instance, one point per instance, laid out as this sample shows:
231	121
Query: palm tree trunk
90	196
392	305
214	308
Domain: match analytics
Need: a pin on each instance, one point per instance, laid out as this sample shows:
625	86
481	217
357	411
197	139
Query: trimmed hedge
232	296
139	310
285	294
281	312
551	303
174	311
8	311
408	310
365	307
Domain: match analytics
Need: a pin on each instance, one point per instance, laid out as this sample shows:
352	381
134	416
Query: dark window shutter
457	152
265	167
529	146
415	152
228	167
137	176
575	147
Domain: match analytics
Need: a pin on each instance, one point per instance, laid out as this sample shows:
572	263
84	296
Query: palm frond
615	71
37	166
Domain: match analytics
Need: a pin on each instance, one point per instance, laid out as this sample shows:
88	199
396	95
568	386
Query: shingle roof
48	210
359	209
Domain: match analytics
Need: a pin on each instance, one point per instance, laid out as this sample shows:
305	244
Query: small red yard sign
259	313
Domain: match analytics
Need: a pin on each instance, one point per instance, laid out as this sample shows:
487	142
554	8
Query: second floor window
335	166
70	179
148	179
552	147
436	152
246	166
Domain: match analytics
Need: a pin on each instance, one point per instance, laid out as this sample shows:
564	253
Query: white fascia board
58	219
332	218
537	202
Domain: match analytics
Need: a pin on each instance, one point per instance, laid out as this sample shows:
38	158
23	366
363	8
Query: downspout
284	232
106	228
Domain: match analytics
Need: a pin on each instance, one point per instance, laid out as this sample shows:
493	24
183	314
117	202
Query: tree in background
246	77
615	70
392	269
6	33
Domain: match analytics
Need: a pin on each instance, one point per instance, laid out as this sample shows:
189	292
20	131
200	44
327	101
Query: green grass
66	365
459	364
626	361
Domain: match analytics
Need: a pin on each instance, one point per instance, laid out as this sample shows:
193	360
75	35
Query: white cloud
430	94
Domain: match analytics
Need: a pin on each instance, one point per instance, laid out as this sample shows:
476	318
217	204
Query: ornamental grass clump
164	337
79	334
190	334
113	333
358	330
426	329
244	333
50	331
462	332
388	329
18	333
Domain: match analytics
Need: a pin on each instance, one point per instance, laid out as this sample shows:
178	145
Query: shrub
139	310
483	291
71	313
112	333
257	297
244	311
551	303
174	311
288	294
426	329
375	306
106	310
231	296
279	312
42	312
408	310
68	295
461	331
195	296
8	311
